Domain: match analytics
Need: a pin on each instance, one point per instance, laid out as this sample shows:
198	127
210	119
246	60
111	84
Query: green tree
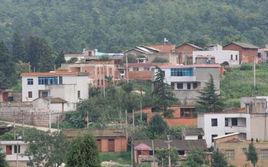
252	155
209	101
39	54
83	153
59	59
218	159
157	126
3	162
162	93
7	68
18	48
163	154
46	149
196	158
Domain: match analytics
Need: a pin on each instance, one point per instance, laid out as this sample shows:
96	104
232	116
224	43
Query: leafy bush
245	67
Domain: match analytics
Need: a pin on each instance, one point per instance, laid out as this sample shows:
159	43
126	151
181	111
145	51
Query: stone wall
25	113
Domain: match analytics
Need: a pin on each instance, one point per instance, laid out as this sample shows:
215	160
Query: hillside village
157	104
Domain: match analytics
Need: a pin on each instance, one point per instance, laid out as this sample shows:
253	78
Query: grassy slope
239	83
122	158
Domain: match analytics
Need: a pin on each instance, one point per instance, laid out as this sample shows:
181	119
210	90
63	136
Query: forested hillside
114	25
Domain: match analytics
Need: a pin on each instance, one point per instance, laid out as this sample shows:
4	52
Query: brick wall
246	55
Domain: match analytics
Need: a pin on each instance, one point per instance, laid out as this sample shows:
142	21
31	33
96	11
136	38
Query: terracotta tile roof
187	145
163	48
192	131
189	66
243	45
73	133
140	65
190	44
52	73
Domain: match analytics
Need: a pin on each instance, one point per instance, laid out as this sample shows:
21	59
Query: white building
187	80
219	124
215	55
57	86
15	153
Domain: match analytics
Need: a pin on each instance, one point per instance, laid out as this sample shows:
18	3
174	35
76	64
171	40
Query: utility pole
153	153
169	158
141	106
126	68
254	75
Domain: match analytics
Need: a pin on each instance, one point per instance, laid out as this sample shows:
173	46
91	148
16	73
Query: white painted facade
226	123
220	56
15	152
72	88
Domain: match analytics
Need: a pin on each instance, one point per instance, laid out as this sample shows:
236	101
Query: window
234	122
181	71
8	149
16	149
188	86
43	93
231	57
78	94
30	94
229	154
60	79
172	85
263	154
212	137
30	81
214	122
179	85
236	57
226	121
181	152
47	80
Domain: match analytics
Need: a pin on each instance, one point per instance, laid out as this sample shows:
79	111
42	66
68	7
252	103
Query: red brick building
185	53
140	71
108	140
182	116
247	52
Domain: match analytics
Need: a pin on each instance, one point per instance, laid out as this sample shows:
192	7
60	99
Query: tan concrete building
234	149
257	107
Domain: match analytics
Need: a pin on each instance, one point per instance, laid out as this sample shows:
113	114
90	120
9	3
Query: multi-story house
70	87
215	55
219	124
248	52
187	80
98	71
258	110
15	153
140	71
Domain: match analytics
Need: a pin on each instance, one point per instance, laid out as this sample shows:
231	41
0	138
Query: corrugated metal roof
244	45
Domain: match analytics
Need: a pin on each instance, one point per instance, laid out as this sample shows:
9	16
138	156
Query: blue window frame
30	81
48	81
181	71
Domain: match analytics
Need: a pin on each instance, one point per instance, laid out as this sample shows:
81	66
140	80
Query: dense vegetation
113	25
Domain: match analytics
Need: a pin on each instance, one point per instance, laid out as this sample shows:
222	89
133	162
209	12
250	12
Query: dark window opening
214	122
179	85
